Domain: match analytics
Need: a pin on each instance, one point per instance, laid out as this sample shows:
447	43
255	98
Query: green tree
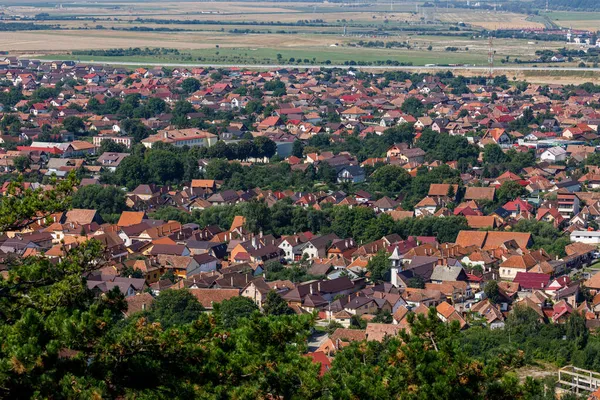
136	129
190	85
131	172
390	179
492	292
130	272
156	105
298	149
493	154
257	216
163	167
109	146
416	282
21	163
577	331
22	206
74	125
230	312
379	266
175	307
104	199
412	106
508	191
265	147
275	305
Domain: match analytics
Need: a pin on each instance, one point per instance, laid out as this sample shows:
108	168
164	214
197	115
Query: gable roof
492	240
480	193
129	218
208	297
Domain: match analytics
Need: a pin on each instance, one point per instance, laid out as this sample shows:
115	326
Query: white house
589	237
554	154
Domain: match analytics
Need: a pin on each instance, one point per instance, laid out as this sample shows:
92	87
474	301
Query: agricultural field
267	32
489	19
576	20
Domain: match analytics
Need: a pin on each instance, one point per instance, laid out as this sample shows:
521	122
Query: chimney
231	279
319	286
143	306
310	289
165	135
254	242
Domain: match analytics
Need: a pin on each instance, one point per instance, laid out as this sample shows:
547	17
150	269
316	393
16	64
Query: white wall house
589	237
554	154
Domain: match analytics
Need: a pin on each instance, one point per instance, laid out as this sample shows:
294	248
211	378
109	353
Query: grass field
263	48
576	20
336	55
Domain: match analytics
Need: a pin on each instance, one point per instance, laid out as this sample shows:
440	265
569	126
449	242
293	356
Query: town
361	199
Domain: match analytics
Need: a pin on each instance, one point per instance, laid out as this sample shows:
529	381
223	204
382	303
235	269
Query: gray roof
446	273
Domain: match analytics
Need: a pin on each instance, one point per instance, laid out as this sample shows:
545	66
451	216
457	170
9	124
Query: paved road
359	67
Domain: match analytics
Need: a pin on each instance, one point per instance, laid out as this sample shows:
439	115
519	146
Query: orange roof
354	110
441	189
479	193
203	183
208	297
238	221
478	222
129	218
492	240
445	309
593	282
164	240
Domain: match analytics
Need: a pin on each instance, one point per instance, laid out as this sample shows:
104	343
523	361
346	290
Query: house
209	297
182	137
447	273
414	155
395	150
427	206
532	281
481	222
490	312
568	203
223	198
479	193
129	218
256	290
317	246
111	161
589	237
81	217
554	154
443	190
292	246
351	174
517	206
492	239
498	136
515	264
354	113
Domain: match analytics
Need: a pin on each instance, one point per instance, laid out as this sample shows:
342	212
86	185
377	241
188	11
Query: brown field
57	41
489	20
